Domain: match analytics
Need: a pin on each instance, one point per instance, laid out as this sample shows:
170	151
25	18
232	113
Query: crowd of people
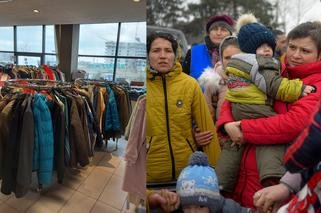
248	99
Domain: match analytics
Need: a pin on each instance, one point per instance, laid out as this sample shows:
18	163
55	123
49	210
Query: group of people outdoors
237	125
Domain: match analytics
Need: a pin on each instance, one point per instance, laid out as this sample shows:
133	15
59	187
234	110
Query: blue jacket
112	122
44	143
200	60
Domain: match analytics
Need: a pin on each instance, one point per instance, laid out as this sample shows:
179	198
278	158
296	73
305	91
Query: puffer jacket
255	79
173	101
305	152
280	129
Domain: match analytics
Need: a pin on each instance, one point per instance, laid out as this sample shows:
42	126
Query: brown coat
78	148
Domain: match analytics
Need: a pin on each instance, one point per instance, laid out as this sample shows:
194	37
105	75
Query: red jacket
281	128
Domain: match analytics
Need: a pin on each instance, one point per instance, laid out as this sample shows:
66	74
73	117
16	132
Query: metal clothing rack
36	84
83	82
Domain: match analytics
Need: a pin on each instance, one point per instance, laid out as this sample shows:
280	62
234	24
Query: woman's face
301	51
161	55
228	52
218	33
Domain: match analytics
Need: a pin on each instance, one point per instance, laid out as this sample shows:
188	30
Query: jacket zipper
189	144
149	144
167	127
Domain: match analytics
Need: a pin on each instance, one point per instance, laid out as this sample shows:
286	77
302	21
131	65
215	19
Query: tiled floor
95	189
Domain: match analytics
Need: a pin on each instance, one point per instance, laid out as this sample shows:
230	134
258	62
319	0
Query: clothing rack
36	84
82	83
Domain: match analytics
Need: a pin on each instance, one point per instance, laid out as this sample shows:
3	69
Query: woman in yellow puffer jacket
174	101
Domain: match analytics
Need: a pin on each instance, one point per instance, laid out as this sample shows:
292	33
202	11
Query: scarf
213	50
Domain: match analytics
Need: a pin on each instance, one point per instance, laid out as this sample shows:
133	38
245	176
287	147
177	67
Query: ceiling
20	12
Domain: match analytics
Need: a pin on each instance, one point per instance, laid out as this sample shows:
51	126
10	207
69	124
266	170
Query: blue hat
253	35
198	184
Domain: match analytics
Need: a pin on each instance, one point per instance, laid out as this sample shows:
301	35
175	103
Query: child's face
195	209
264	50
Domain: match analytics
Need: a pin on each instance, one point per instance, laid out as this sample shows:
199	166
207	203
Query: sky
308	10
298	11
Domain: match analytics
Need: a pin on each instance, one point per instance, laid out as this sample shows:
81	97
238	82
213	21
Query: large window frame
41	54
116	57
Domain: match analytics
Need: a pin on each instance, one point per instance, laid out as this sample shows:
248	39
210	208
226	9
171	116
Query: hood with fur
210	80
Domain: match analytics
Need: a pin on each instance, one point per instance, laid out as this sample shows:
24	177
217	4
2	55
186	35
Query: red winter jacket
278	129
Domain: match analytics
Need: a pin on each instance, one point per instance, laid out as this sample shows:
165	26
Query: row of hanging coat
112	104
10	71
44	126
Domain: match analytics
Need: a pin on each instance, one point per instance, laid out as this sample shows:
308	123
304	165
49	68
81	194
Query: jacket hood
304	70
175	70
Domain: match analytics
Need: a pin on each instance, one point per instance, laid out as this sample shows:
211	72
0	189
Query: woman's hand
202	138
268	199
233	129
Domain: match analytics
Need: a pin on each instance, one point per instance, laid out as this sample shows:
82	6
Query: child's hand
307	90
172	200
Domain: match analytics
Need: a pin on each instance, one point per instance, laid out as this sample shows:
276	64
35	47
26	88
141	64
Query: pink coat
135	172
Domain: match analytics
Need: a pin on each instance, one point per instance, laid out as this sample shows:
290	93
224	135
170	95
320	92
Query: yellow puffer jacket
174	100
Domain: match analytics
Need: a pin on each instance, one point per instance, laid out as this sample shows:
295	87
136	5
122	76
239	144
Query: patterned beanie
220	20
198	185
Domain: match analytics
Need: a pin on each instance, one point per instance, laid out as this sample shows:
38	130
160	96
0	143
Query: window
99	51
6	58
131	69
51	60
132	41
29	39
50	42
6	38
29	49
97	39
29	60
97	67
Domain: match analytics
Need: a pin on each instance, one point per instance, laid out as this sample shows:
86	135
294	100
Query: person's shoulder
188	80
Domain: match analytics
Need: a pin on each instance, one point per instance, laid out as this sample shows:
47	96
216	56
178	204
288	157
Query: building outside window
114	51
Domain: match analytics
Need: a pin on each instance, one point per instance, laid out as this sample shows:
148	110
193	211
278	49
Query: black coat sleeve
187	62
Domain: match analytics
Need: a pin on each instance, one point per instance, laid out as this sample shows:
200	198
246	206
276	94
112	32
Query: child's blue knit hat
198	184
252	34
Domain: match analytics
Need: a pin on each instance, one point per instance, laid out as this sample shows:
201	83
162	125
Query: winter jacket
255	79
11	154
6	107
77	140
200	60
280	129
213	80
173	101
305	152
58	124
112	122
44	140
24	164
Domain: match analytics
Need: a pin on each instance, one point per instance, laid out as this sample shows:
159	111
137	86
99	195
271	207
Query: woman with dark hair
302	62
173	101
